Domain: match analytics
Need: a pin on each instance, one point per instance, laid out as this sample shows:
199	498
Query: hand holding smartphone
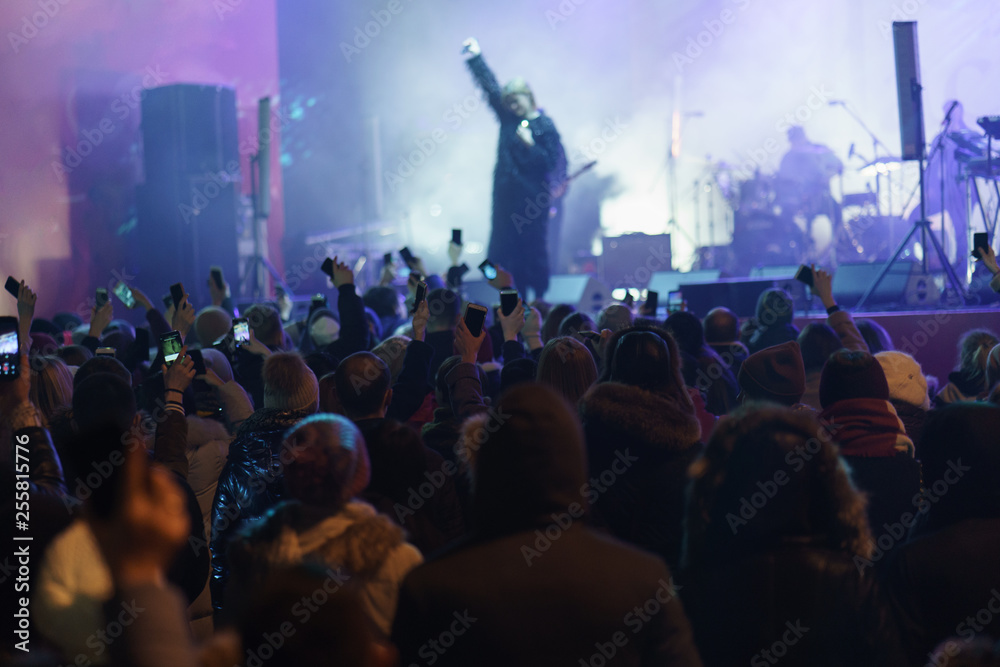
241	331
170	346
489	269
804	275
124	294
177	293
12	286
420	296
475	318
508	301
101	298
10	349
980	241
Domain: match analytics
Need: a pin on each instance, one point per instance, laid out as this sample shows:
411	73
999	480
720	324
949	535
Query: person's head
906	380
102	364
875	335
289	384
392	351
817	502
721	326
850	374
265	322
774	374
212	323
320	363
567	366
328	399
686	329
774	308
574	323
325	461
516	372
51	387
555	316
444	307
797	136
323	328
537	450
517	97
973	354
336	632
817	341
103	399
644	359
383	300
364	386
75	355
615	318
993	367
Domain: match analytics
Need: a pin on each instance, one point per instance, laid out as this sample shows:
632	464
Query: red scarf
866	427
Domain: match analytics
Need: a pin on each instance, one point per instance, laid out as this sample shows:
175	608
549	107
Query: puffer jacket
639	446
354	542
251	483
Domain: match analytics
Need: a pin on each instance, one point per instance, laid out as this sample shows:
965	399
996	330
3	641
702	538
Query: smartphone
10	349
318	301
241	331
177	293
456	236
475	318
979	240
489	269
105	352
168	301
652	302
124	293
170	346
216	273
101	297
508	300
804	275
199	361
327	267
675	302
387	259
420	296
12	286
406	255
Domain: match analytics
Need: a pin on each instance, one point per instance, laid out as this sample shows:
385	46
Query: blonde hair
51	387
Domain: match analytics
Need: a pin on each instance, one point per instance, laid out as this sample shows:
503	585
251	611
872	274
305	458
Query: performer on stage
528	178
803	185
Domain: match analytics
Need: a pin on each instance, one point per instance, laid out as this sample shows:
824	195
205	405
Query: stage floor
931	336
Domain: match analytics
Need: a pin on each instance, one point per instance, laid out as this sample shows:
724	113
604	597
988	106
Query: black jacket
639	447
250	484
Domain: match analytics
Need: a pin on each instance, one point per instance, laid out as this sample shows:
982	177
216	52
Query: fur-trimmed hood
357	537
642	418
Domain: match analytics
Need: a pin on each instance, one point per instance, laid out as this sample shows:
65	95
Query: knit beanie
289	384
775	373
327	462
848	374
905	378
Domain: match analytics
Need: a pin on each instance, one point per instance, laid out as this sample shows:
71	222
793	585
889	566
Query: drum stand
923	225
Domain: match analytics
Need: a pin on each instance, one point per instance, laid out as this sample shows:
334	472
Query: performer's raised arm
484	77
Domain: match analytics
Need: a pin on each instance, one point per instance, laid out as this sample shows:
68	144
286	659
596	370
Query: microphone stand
876	142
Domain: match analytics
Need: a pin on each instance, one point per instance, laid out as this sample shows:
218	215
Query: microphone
850	153
947	116
837	103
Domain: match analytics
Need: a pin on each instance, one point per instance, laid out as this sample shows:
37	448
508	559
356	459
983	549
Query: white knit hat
905	377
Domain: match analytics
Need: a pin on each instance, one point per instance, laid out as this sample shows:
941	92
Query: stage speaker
908	90
188	206
583	291
665	282
630	260
784	277
903	285
737	294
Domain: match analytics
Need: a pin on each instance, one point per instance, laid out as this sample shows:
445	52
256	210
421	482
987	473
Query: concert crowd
377	483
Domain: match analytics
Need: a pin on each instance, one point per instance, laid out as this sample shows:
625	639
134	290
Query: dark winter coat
251	483
639	446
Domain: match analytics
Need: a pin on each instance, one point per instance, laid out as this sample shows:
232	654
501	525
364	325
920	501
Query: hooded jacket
535	586
250	484
641	501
